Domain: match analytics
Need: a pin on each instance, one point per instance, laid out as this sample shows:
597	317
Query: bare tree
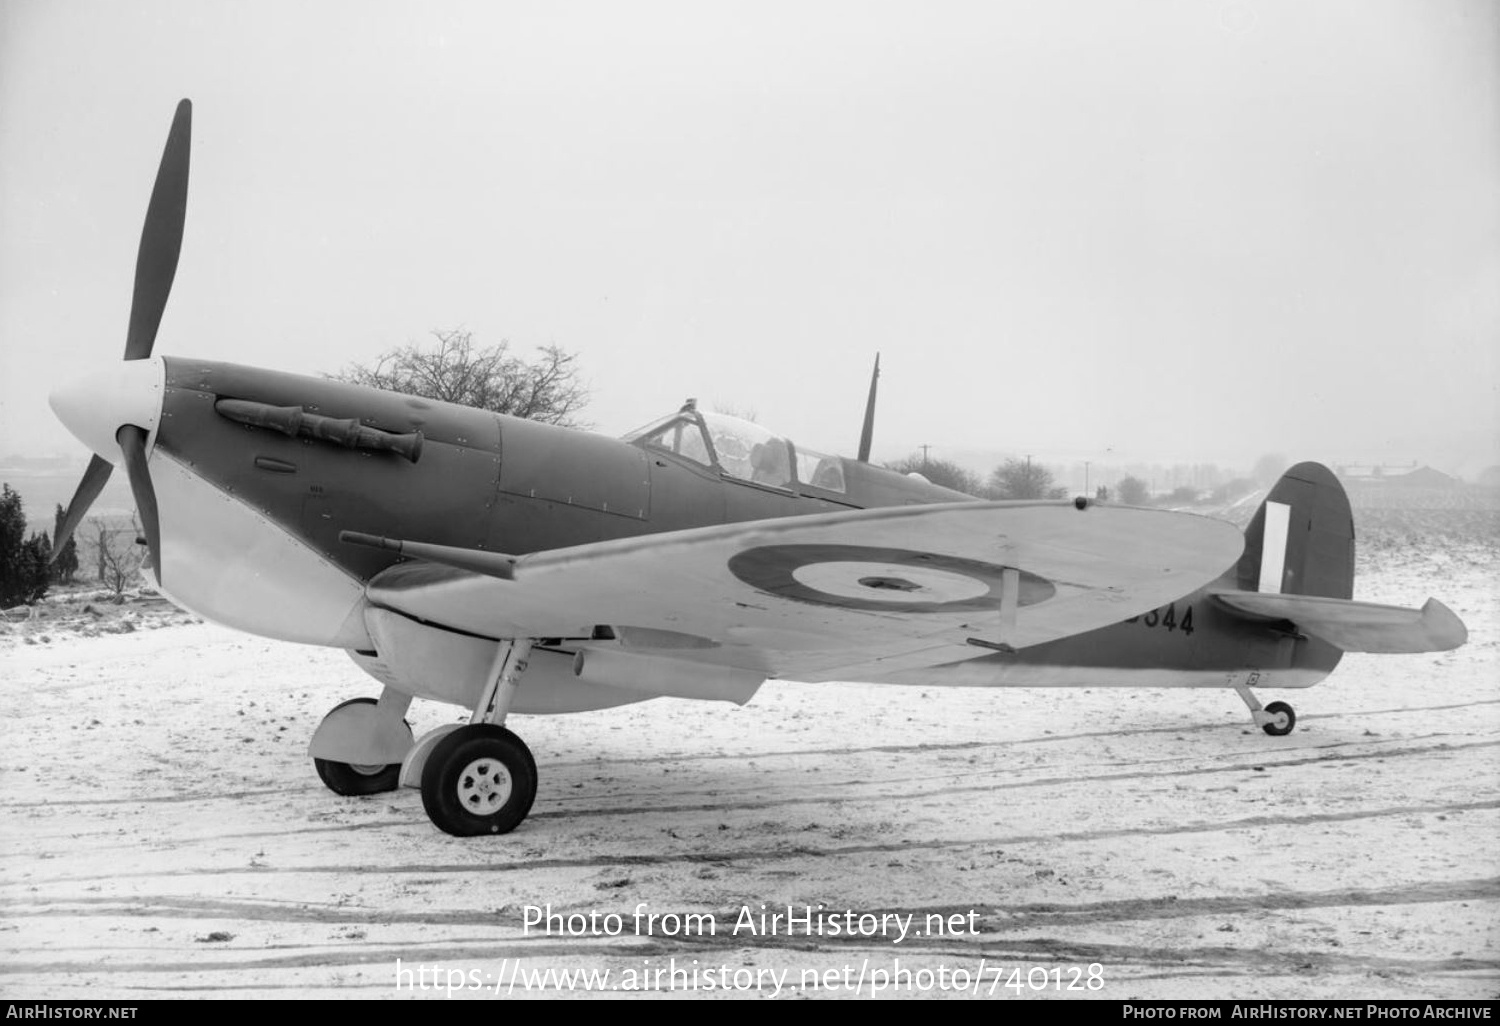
1268	468
456	370
120	558
939	472
1021	479
1132	491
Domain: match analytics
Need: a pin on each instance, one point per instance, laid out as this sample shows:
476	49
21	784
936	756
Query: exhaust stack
293	421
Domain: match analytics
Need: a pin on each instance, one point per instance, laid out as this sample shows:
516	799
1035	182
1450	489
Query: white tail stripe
1273	547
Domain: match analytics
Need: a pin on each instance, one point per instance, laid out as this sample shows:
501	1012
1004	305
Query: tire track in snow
753	855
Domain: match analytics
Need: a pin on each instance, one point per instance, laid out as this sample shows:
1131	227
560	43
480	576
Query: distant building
1426	477
1386	476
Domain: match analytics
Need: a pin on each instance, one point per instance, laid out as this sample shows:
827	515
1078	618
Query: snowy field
163	834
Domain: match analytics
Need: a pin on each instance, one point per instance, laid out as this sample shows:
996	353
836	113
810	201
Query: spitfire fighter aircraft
505	565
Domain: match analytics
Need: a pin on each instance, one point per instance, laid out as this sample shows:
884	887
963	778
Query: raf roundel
880	579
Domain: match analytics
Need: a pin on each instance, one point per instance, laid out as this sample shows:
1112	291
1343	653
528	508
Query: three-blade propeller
155	268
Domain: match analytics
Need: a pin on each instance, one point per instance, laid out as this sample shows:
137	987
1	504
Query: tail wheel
1283	719
480	779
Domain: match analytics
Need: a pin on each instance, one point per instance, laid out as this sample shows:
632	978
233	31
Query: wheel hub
484	787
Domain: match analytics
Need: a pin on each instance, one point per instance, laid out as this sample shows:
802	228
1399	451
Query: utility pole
1085	477
924	449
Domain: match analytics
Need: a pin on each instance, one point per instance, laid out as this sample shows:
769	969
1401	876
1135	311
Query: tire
1280	709
480	779
354	781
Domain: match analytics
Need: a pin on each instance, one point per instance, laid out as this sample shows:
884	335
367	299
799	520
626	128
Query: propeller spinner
114	410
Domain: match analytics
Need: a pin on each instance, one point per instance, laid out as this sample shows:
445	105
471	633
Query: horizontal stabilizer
1358	626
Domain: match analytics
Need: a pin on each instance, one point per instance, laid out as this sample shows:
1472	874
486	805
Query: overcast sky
1166	231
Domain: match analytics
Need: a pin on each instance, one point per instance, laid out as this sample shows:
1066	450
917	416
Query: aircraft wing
847	595
1358	626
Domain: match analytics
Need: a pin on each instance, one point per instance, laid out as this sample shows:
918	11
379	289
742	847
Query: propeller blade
868	434
94	478
132	441
161	238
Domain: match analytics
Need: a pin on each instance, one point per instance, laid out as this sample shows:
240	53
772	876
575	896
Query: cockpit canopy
741	449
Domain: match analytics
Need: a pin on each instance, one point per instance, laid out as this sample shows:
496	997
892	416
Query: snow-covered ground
162	833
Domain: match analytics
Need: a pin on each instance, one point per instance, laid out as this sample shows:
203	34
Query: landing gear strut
1276	719
481	778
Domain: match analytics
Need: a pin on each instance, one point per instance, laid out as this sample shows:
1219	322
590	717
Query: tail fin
1301	540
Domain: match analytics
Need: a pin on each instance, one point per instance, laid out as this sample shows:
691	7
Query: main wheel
353	780
480	779
1285	720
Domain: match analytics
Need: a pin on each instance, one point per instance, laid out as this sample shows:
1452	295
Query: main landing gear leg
481	778
1276	719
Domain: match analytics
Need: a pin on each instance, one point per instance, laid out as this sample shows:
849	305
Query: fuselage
258	472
